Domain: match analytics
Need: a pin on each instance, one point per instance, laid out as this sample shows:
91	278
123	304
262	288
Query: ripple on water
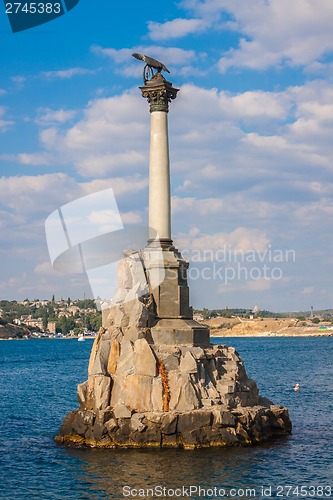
38	388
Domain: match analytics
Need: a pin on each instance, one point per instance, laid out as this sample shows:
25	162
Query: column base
180	332
164	243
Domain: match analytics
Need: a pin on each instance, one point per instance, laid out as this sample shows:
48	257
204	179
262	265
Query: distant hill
13	331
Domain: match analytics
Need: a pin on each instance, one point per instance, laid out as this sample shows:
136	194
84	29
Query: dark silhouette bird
152	63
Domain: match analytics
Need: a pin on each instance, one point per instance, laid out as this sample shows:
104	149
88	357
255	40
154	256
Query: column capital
159	92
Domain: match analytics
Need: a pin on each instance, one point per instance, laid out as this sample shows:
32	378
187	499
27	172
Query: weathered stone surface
264	402
82	393
137	392
102	357
170	441
121	435
121	319
188	364
133	333
111	425
104	415
188	399
189	430
179	332
122	411
228	436
145	362
154	416
98	430
138	315
116	333
242	434
107	319
198	352
150	436
126	359
67	425
94	350
194	420
119	298
136	422
124	275
101	391
157	394
170	361
175	386
117	392
113	357
82	421
169	423
223	418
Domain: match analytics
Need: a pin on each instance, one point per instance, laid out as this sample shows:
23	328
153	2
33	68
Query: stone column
159	93
174	317
159	177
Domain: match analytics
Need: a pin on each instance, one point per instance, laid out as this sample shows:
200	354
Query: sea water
38	387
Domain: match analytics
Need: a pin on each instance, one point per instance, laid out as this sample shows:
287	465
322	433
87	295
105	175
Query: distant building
51	326
198	317
35	322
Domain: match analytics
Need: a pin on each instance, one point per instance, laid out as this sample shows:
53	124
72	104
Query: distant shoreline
265	327
51	338
213	335
273	334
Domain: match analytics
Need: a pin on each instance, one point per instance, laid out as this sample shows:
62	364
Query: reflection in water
106	472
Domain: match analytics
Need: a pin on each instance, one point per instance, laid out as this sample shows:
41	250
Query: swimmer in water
296	388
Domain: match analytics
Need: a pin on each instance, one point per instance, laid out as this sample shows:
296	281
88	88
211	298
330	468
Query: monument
154	379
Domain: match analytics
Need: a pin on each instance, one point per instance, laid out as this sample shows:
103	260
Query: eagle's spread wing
153	63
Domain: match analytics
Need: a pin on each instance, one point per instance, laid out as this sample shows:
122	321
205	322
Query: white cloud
123	57
29	194
203	207
278	34
131	218
236	286
240	239
176	28
65	74
44	268
19	81
272	32
255	105
45	193
47	116
33	158
122	186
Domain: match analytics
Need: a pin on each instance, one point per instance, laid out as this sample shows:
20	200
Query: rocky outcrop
141	393
137	375
207	427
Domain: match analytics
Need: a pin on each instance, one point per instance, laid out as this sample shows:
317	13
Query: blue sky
250	137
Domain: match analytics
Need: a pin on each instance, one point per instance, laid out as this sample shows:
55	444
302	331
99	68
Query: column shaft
159	177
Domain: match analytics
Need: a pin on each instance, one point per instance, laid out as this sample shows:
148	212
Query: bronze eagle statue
150	65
